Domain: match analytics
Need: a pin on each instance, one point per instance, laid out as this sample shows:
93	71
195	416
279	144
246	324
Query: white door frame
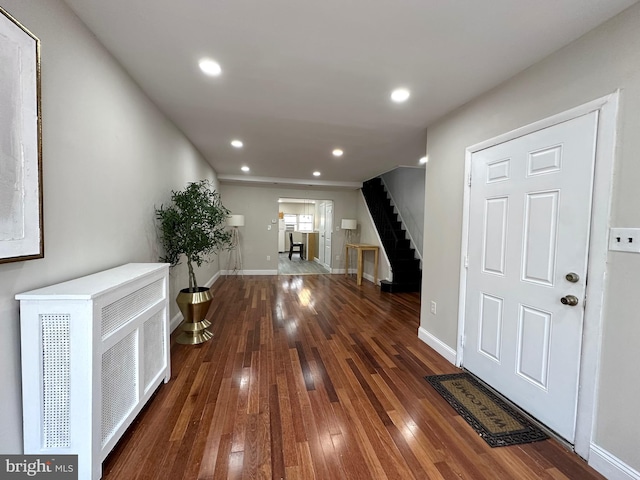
328	232
597	253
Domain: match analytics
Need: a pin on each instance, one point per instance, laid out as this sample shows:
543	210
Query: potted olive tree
193	226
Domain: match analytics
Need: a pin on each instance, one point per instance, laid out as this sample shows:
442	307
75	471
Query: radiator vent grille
55	380
123	310
119	384
154	354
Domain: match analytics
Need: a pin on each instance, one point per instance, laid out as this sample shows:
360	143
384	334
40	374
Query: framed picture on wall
21	224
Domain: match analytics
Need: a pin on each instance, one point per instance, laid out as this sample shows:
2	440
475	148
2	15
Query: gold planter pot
194	307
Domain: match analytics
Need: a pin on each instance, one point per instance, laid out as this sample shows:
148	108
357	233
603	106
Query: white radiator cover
94	350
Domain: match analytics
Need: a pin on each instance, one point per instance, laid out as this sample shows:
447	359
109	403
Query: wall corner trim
438	345
610	466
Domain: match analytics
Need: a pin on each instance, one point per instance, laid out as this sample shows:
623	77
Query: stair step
412	273
396	287
405	253
394	234
399	274
402	277
405	265
403	244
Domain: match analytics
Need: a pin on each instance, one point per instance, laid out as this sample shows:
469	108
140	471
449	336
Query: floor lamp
235	253
349	226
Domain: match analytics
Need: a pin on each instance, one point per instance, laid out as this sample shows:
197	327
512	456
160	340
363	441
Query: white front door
528	230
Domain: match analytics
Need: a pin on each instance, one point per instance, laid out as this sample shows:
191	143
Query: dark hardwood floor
312	377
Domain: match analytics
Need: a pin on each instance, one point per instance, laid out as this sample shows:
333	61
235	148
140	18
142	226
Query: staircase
407	274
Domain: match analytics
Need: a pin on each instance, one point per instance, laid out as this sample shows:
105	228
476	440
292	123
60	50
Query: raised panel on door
495	235
540	237
490	327
534	331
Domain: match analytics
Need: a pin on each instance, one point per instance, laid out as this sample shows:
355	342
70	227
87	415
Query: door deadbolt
572	277
570	300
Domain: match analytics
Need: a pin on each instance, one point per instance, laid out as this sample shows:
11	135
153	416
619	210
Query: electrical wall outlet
624	239
268	257
338	257
433	308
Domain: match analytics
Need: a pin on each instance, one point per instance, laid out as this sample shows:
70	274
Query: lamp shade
349	224
235	220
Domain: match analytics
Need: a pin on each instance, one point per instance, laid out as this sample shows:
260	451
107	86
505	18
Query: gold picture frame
21	212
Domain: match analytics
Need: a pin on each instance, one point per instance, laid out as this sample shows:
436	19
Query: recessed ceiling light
237	143
337	152
423	160
400	95
244	168
210	67
316	174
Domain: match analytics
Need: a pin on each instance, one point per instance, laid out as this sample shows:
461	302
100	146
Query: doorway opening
304	236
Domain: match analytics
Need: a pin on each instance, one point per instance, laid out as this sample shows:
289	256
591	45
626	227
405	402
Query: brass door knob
572	277
570	300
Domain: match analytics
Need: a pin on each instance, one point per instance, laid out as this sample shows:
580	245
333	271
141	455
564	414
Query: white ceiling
302	77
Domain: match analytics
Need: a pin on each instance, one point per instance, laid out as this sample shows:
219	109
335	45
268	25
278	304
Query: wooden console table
360	248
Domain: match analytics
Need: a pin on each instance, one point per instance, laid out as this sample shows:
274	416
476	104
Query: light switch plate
624	239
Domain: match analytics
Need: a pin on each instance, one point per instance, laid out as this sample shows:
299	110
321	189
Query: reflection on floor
297	266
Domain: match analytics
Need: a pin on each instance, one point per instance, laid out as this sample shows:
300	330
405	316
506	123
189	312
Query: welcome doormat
496	422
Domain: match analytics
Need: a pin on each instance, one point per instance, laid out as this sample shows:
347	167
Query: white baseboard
369	277
353	271
341	271
610	466
212	280
175	321
438	345
177	318
249	272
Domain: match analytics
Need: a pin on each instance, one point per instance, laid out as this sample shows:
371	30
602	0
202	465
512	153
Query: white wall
406	187
109	156
606	59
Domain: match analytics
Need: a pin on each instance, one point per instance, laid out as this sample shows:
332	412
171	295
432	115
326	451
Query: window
305	222
290	221
298	222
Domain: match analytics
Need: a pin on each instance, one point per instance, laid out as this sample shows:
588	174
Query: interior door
321	231
527	261
328	230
